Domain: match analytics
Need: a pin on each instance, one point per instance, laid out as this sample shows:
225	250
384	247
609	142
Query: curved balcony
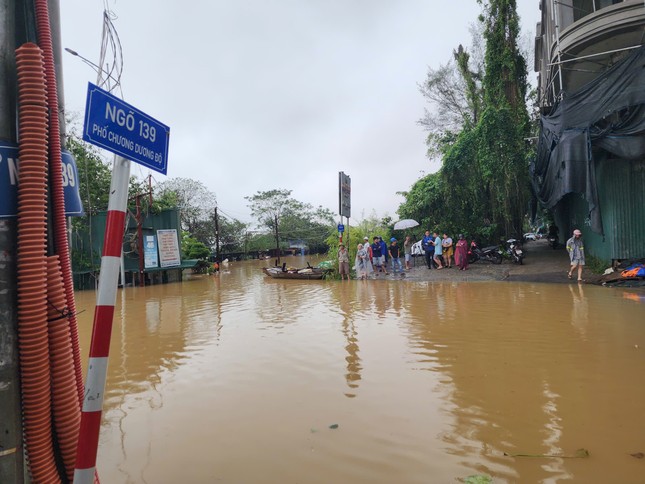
594	43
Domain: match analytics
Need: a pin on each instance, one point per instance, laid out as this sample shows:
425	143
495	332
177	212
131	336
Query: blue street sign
9	182
341	228
121	128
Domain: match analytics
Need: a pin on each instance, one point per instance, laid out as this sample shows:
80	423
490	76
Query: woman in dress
461	253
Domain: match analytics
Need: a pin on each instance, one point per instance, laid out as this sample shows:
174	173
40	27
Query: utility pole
277	238
11	450
217	254
140	244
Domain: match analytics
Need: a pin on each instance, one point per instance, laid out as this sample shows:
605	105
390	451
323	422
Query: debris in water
580	454
638	455
478	479
333	426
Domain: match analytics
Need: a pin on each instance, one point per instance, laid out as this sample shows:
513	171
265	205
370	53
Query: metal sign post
126	131
344	202
88	438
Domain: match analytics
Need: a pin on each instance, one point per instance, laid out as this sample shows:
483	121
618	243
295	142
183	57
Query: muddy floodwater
239	378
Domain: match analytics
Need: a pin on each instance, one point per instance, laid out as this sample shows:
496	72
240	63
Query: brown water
238	378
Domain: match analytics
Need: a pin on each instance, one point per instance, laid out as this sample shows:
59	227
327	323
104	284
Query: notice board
168	248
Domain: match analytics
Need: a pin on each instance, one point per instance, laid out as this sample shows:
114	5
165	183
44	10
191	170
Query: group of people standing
441	251
375	258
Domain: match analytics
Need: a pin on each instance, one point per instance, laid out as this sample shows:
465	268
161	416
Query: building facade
590	164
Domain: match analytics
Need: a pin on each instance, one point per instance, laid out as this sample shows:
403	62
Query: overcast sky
264	94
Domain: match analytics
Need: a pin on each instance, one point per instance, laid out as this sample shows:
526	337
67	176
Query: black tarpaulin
607	113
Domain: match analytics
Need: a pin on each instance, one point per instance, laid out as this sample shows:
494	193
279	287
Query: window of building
582	8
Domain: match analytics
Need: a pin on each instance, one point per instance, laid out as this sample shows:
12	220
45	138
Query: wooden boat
288	273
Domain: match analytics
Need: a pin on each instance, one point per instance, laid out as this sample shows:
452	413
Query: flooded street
239	378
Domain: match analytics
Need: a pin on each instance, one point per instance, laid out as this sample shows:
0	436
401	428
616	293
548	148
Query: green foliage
232	234
197	205
482	188
193	248
288	219
478	479
260	242
596	265
94	174
368	227
94	178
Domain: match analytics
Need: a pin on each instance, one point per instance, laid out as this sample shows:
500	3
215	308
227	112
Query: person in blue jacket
377	257
427	244
384	252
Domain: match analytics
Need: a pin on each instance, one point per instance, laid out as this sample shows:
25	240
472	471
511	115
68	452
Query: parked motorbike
490	254
553	241
514	250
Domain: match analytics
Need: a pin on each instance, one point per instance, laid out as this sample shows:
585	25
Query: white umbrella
407	223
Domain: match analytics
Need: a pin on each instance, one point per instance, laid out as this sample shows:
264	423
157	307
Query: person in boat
343	262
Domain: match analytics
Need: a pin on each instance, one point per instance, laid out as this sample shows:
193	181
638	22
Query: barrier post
88	439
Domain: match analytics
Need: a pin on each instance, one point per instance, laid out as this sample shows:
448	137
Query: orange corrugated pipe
67	418
56	186
59	224
32	286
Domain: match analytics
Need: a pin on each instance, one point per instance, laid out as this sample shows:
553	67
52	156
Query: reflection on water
238	378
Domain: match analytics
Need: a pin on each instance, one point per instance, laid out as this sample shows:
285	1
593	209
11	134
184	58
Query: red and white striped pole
88	438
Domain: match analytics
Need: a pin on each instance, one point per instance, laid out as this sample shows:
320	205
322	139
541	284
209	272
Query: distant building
298	247
158	255
590	167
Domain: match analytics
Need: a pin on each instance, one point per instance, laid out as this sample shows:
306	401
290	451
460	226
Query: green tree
270	207
479	130
287	218
196	202
193	248
504	126
94	177
232	234
94	174
454	93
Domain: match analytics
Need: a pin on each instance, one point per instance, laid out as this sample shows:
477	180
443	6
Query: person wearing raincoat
576	251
